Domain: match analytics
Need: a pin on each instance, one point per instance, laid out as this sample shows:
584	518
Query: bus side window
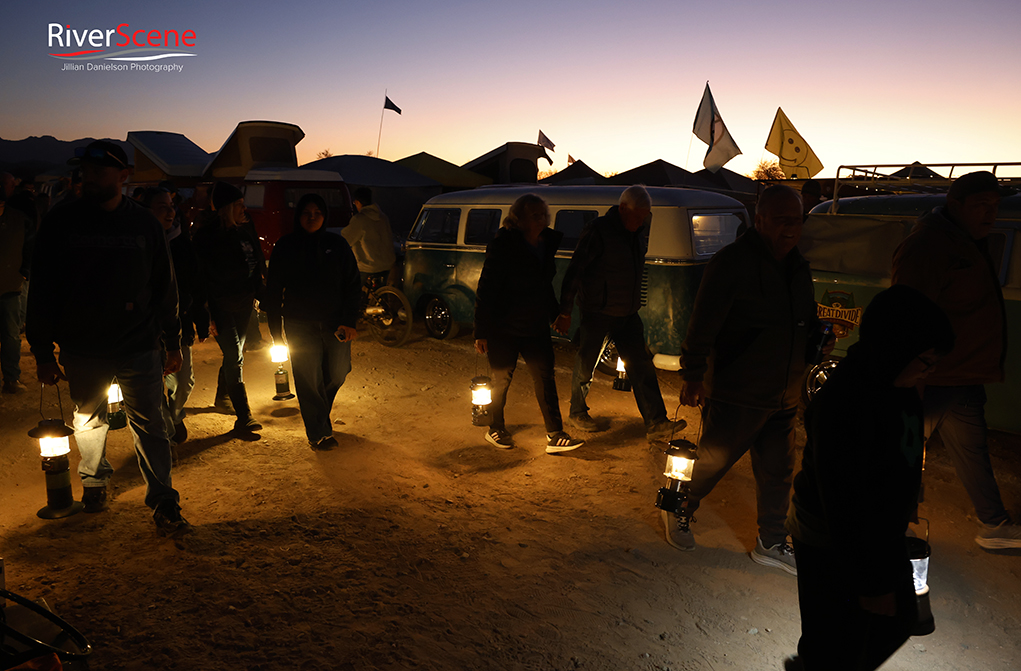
436	225
712	232
482	226
571	223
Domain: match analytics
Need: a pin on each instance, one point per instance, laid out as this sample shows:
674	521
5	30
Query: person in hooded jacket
230	279
858	487
312	296
370	237
514	308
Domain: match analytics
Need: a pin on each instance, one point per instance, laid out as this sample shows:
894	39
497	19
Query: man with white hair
605	276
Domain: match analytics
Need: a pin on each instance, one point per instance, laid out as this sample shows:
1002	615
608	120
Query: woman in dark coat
313	292
858	487
230	279
514	308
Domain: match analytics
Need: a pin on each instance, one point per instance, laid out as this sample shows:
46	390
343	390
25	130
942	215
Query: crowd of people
124	288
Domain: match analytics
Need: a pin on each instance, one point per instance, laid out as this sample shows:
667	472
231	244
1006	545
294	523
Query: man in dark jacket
605	276
745	353
103	290
17	233
313	292
859	481
946	257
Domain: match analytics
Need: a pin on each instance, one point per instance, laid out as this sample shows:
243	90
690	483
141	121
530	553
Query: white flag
544	141
709	128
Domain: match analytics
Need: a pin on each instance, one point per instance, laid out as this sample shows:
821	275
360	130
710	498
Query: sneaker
584	422
247	425
678	530
14	387
169	522
666	429
94	499
180	433
779	556
499	438
1002	536
325	444
561	442
224	405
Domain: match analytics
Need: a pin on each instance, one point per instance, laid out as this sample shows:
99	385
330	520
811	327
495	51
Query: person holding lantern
103	290
859	483
313	294
230	278
514	307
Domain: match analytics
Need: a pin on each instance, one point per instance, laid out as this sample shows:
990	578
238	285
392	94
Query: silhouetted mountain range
36	155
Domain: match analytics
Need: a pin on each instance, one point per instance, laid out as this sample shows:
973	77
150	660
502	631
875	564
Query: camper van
447	247
850	244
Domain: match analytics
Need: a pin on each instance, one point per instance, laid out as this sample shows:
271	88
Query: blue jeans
141	380
628	334
10	336
728	431
956	416
320	364
231	330
179	388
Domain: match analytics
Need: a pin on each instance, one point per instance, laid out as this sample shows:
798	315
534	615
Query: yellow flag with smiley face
797	160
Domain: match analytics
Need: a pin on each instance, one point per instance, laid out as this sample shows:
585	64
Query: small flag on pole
709	128
797	160
389	105
570	159
544	141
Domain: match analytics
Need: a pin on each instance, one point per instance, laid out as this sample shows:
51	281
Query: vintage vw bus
850	248
446	249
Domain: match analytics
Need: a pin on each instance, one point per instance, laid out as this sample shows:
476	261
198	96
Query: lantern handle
60	403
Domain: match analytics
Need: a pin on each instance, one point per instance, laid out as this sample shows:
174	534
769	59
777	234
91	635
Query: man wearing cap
103	290
946	257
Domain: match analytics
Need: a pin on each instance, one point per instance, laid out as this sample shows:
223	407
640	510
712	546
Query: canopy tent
576	173
446	173
161	155
660	173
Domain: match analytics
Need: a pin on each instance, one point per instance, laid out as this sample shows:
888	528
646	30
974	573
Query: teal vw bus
447	247
850	244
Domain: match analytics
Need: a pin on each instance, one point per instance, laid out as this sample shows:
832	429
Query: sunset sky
864	81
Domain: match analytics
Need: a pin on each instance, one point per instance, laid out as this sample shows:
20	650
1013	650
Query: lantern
278	355
54	447
116	417
919	551
680	462
482	396
621	382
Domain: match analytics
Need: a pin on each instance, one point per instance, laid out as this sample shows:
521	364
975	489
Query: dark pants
231	331
628	334
320	364
10	337
836	634
538	355
956	417
728	431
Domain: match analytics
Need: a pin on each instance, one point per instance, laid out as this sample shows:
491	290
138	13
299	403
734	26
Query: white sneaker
561	442
1000	537
779	556
499	438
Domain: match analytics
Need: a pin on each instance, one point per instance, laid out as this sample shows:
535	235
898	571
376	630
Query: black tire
816	377
389	317
607	361
439	322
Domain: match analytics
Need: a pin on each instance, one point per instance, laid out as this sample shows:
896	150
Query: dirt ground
416	545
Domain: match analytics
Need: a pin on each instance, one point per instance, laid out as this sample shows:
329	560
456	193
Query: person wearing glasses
103	290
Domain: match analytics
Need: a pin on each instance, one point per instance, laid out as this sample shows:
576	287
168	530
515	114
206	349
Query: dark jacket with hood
312	277
102	283
862	465
606	270
748	336
515	293
230	264
186	272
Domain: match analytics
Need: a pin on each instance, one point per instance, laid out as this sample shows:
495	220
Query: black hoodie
861	471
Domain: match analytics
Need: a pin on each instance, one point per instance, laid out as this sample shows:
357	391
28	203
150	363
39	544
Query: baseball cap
982	181
101	152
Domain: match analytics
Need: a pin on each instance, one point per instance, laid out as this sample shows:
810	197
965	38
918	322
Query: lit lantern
54	447
482	396
919	551
278	355
116	417
681	455
621	382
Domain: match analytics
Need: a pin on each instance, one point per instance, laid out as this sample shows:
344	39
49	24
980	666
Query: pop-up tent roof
576	173
373	172
255	144
728	180
161	155
660	173
512	163
444	172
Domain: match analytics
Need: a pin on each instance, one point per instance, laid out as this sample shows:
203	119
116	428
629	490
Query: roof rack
899	178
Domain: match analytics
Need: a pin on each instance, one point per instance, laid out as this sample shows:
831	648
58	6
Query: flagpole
381	113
